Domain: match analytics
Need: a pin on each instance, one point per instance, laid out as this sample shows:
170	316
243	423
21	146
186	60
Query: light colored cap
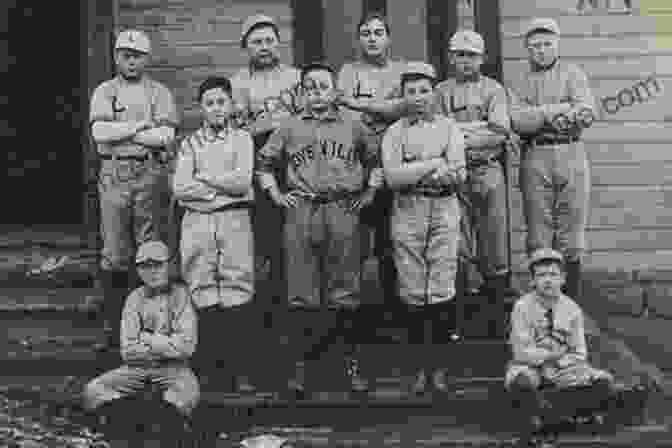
152	250
467	40
545	253
253	21
133	40
542	24
420	68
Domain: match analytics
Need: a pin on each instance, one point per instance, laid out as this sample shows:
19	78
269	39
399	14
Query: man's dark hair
374	15
258	26
314	67
410	77
214	82
546	262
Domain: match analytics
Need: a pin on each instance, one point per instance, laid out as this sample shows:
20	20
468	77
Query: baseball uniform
327	164
536	330
425	219
361	80
158	336
213	181
482	105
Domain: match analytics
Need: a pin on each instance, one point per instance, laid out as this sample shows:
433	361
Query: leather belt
556	140
324	198
144	158
430	192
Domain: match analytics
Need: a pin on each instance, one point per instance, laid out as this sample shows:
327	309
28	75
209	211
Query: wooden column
98	20
308	31
442	22
488	23
408	24
340	21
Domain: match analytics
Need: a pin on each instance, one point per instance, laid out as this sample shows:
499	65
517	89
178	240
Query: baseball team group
298	175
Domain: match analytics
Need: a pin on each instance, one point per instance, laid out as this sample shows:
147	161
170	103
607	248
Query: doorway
43	118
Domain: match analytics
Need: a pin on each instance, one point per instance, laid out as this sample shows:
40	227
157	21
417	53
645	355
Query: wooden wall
630	220
197	38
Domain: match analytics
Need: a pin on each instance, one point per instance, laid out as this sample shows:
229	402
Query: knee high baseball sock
331	330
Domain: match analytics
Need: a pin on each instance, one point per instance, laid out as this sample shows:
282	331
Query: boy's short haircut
314	67
374	15
214	82
410	77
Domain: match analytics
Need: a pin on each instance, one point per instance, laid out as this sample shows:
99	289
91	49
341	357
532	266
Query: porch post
487	15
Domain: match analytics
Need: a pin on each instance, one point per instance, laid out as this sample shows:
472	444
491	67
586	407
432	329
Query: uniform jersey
227	156
323	156
483	100
267	95
119	100
563	83
169	314
362	80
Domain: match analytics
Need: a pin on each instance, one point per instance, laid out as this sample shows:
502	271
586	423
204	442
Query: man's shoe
243	385
439	380
419	385
357	382
297	384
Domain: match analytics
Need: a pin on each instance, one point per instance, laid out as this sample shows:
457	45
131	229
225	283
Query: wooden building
628	57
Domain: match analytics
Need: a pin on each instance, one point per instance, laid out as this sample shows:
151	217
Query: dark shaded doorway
43	117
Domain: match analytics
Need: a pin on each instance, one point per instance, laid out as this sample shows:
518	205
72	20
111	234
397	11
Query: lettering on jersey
287	101
326	150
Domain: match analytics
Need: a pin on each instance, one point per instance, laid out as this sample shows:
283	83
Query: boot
495	290
573	285
357	382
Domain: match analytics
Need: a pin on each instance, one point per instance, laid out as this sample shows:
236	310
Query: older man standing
551	105
133	120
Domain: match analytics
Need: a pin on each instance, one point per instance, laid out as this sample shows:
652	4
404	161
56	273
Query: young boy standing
213	181
327	164
549	345
158	336
423	162
480	106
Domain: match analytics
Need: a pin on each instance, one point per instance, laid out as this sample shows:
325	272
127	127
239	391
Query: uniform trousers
176	380
555	183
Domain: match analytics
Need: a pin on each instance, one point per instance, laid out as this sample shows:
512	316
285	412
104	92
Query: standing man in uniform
266	94
480	106
328	162
554	172
371	89
133	120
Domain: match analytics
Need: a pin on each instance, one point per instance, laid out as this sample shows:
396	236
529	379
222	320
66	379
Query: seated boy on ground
158	336
549	345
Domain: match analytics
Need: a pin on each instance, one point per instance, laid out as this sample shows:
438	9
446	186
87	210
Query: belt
143	158
234	206
555	140
325	198
430	192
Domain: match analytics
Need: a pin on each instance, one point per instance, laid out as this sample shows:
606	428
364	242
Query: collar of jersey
333	115
211	136
474	78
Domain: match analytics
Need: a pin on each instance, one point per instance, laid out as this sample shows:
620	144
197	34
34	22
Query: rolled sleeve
181	343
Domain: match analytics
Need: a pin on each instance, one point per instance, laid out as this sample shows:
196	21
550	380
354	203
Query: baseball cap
316	66
419	68
133	40
544	254
254	21
467	40
152	250
542	24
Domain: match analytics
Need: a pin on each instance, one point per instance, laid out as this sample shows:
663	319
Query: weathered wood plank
631	132
628	152
607	67
643	44
588	25
620	240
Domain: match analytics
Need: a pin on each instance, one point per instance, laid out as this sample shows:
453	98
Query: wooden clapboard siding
196	38
630	222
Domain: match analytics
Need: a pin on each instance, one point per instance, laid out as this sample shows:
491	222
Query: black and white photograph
336	224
